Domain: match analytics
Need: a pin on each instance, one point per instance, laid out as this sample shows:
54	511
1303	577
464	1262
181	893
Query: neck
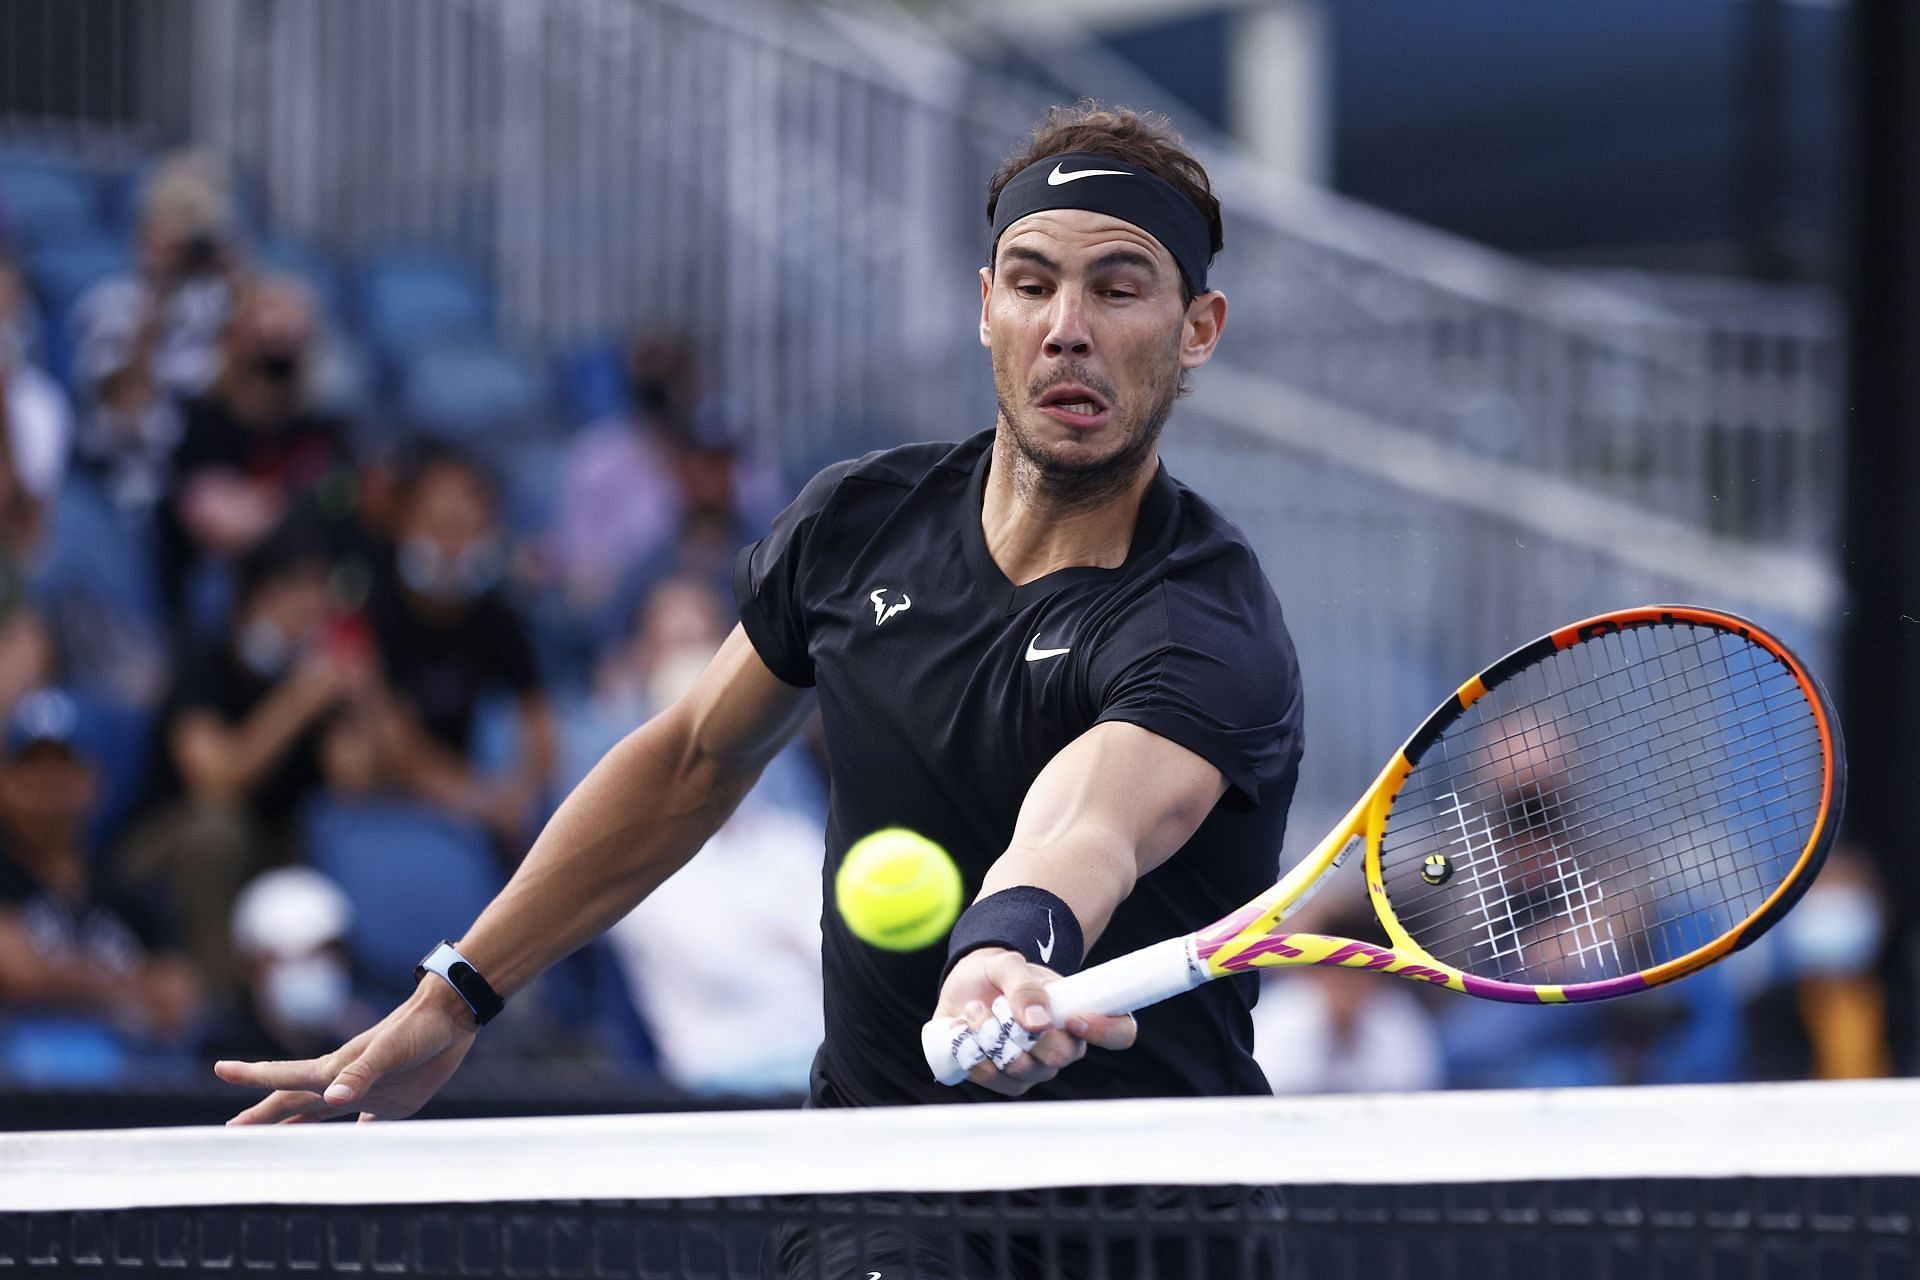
1032	530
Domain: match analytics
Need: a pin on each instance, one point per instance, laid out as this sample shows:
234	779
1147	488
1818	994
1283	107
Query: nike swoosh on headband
1058	178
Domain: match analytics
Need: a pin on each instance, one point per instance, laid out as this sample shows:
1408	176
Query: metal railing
1438	450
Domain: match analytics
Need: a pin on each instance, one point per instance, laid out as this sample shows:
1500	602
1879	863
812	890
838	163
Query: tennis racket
1611	807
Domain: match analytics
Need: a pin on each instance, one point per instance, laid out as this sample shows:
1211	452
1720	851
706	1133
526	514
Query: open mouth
1075	405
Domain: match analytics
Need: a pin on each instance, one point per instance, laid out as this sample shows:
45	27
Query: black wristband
464	979
1026	919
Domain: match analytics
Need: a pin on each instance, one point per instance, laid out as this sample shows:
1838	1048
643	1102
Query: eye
1031	290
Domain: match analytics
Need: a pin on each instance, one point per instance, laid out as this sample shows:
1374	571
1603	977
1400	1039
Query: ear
1200	332
986	292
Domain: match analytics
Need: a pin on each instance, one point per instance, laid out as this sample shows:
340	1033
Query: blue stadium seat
44	202
412	301
415	876
475	392
593	384
61	273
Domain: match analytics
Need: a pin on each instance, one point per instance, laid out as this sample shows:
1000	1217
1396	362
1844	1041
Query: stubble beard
1069	484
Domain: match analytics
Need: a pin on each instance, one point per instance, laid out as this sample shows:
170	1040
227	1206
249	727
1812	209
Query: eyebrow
1105	262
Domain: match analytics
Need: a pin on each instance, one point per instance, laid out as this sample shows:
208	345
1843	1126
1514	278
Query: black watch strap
464	979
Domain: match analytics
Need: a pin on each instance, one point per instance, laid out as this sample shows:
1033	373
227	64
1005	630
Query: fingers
289	1107
1018	1071
1105	1031
311	1074
382	1054
1024	987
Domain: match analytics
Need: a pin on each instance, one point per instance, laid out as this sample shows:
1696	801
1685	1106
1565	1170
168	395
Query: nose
1067	332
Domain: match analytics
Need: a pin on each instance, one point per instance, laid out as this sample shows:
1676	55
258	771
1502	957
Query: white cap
289	911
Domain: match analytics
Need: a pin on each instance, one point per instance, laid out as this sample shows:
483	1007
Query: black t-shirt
215	680
442	666
945	689
291	459
113	928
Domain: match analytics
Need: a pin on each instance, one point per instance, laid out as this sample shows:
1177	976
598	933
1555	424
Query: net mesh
1617	805
1575	1230
1463	1186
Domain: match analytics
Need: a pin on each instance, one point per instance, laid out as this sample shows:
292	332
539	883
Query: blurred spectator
666	474
1824	1015
716	1027
1687	1032
241	740
674	633
448	639
33	409
252	447
1319	1030
155	333
69	941
290	937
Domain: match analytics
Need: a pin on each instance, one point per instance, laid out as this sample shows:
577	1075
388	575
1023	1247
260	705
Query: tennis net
1775	1181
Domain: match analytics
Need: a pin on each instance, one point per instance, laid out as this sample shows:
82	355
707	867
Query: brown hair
1146	139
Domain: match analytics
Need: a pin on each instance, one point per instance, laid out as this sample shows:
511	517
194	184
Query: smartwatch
463	978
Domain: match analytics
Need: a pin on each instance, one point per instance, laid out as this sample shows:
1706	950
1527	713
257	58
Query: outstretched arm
646	808
1114	804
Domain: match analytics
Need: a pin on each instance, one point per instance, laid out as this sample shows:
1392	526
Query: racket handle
1121	985
1128	982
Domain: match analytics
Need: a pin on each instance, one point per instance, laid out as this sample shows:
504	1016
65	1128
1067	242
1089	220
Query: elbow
698	766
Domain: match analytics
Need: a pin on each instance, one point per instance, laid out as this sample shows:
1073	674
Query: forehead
1069	234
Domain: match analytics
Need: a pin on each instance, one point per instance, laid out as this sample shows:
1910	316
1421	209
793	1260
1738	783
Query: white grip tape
1119	986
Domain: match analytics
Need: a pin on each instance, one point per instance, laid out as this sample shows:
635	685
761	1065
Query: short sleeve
769	580
1215	672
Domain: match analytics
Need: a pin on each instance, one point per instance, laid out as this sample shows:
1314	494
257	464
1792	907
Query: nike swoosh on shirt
1059	178
1034	654
1046	949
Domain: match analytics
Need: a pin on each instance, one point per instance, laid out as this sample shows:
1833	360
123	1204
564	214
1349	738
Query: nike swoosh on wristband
1034	653
1046	948
1057	178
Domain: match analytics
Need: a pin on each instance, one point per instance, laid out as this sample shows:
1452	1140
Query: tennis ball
897	890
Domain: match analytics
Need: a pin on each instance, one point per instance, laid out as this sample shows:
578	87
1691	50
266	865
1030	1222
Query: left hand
983	976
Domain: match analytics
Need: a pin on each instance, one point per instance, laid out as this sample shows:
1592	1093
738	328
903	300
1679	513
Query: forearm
646	809
268	734
220	764
1089	870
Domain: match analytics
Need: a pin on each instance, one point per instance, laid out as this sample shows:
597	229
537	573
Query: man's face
46	788
1089	335
449	509
271	336
296	602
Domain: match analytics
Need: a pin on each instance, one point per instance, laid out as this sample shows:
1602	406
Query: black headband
1102	184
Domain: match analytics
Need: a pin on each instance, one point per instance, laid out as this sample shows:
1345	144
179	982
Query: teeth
1083	407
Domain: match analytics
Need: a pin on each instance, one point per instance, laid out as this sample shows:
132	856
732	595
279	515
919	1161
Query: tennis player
1034	646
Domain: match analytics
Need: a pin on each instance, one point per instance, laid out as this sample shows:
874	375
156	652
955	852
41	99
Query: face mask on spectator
278	366
265	649
451	579
310	992
1835	931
